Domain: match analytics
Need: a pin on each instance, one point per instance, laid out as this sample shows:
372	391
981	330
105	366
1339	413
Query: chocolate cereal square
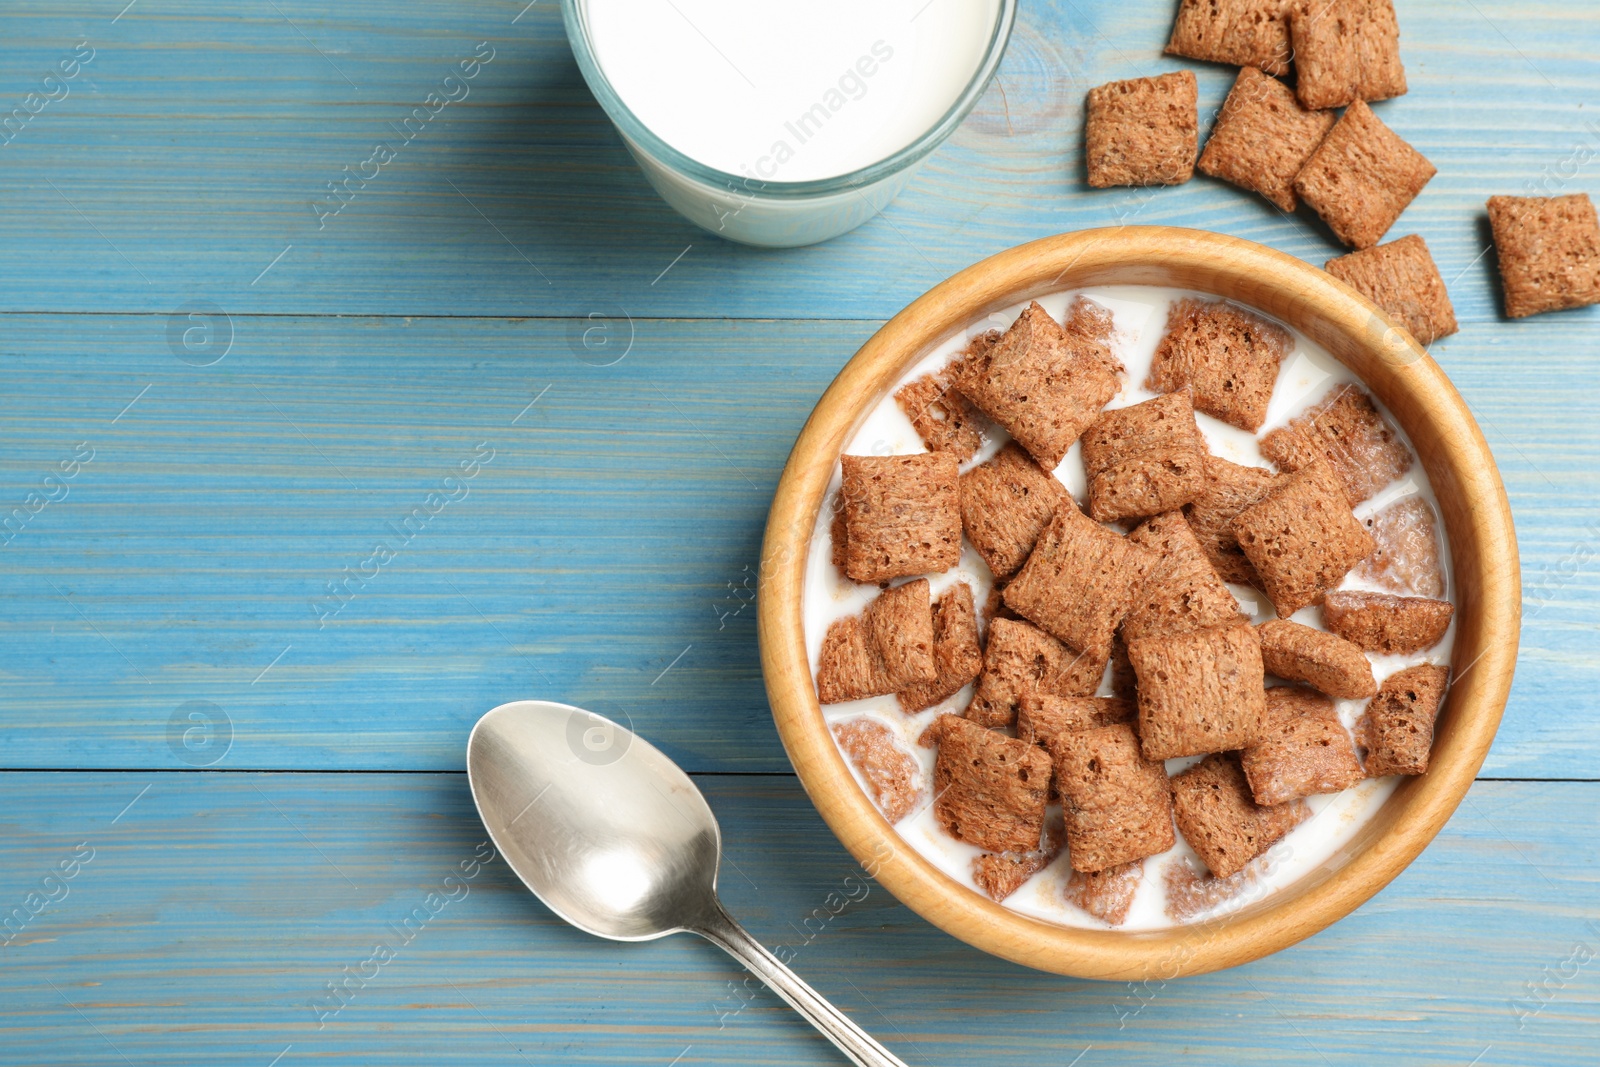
901	514
893	776
1302	538
956	655
1407	557
887	648
1041	717
1107	894
1346	429
1362	177
1326	662
1549	252
1242	33
1006	503
999	874
1263	137
1346	50
1304	749
1402	279
1229	489
1397	730
989	789
1143	131
1144	459
1079	582
1221	820
1115	801
1199	691
1393	625
1041	383
1225	357
1183	591
1091	326
944	419
1021	658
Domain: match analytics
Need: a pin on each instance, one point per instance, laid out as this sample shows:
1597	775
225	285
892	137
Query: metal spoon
613	837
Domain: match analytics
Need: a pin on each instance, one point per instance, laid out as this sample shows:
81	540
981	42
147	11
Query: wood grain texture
601	544
217	907
200	133
215	510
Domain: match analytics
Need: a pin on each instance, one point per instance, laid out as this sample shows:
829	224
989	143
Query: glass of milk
783	123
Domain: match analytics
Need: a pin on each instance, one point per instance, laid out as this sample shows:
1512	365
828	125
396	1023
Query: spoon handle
720	929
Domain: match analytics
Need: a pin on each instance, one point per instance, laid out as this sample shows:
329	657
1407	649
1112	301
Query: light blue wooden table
226	869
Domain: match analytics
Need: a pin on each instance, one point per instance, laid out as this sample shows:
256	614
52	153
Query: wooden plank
187	154
609	538
218	907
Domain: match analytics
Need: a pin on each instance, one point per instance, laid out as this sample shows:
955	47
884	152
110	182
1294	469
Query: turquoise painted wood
187	154
215	912
166	619
605	552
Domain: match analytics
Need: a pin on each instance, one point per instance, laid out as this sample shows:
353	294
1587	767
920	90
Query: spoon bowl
604	829
614	838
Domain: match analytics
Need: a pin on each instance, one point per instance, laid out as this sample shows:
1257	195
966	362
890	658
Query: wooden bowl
1450	447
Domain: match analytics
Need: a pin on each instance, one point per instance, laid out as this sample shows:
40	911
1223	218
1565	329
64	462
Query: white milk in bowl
1166	889
780	124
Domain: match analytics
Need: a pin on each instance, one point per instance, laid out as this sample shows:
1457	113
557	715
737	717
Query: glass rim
638	135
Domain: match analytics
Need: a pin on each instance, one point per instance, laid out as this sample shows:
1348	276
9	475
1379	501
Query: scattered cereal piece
1199	691
1346	50
892	775
1402	279
1302	538
1362	177
1021	658
1006	503
1304	749
956	655
989	789
1079	581
944	419
1346	428
1397	730
1043	716
1226	358
1324	661
1407	557
1263	137
887	648
902	515
1221	820
1378	622
1183	591
1115	801
1107	894
1229	489
1243	33
1144	459
1549	251
1143	131
1041	383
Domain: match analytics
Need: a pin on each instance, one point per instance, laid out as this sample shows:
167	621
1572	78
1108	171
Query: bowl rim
1476	516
